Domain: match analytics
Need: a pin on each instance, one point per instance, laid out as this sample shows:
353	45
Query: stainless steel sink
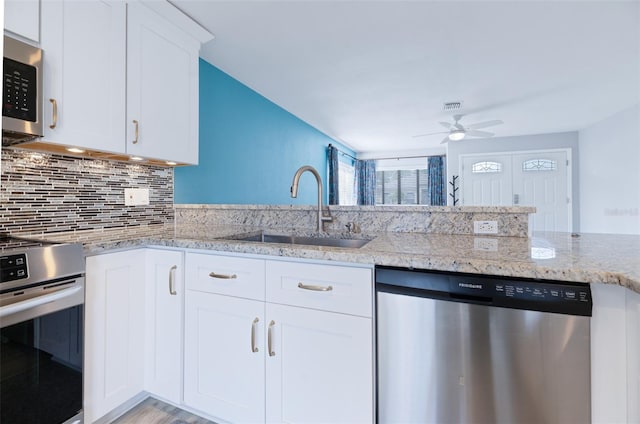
310	241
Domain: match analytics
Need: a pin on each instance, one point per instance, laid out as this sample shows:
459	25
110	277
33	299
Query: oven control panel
13	267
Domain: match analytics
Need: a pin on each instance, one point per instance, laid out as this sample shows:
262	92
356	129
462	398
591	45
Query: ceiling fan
457	131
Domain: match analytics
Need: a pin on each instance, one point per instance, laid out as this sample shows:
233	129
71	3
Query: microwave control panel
20	91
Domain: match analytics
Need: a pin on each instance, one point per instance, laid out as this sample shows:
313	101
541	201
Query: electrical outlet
485	227
486	244
136	196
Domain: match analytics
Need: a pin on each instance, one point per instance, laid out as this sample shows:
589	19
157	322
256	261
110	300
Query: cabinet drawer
241	277
325	287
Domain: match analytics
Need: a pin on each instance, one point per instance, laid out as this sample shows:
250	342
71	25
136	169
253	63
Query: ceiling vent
451	106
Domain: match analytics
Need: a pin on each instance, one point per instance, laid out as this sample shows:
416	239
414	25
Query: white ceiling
373	74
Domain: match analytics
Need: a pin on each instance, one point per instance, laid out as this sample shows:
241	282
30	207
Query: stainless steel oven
41	332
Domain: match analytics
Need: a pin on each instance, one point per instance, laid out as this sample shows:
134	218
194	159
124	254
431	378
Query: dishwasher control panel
520	293
543	291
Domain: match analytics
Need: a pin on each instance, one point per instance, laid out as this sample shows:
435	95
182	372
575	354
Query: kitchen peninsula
205	241
589	258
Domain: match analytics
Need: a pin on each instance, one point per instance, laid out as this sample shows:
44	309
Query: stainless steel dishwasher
460	348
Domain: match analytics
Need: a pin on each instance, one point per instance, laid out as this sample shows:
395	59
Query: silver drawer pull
314	288
54	122
172	282
222	276
137	125
254	348
270	339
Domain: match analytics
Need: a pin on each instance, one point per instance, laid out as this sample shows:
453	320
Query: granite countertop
589	258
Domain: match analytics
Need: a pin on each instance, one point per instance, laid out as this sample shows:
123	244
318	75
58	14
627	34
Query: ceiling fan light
456	135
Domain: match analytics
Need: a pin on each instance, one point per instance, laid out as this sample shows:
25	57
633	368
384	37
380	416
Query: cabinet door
224	356
22	17
114	339
319	367
84	45
162	88
164	296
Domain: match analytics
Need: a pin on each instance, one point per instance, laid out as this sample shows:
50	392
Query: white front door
486	180
537	179
540	180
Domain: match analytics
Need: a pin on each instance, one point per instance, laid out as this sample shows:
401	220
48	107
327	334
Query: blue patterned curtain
437	187
334	198
366	181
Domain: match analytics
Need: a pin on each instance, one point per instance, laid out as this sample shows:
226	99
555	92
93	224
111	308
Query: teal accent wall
249	148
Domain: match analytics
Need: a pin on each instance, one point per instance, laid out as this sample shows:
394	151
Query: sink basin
310	241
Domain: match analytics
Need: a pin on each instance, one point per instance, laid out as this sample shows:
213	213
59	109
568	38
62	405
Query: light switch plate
136	196
485	227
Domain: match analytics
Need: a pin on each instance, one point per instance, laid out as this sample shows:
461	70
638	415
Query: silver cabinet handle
172	283
54	123
223	276
254	348
136	123
270	338
314	288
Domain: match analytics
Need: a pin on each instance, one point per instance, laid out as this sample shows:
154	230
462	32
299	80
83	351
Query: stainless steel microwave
22	93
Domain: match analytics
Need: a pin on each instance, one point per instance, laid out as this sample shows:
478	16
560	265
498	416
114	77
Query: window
402	187
402	182
539	165
486	167
405	181
346	182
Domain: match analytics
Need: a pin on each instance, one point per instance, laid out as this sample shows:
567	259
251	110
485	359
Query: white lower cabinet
133	328
114	331
319	368
224	356
249	361
264	340
615	349
164	295
633	355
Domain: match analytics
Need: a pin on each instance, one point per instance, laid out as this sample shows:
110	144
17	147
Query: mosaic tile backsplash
44	193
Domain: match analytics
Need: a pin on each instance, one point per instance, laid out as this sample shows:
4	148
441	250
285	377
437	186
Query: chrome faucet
294	192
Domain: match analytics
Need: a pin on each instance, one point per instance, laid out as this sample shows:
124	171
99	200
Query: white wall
610	174
565	140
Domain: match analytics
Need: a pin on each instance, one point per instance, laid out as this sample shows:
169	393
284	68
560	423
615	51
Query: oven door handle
38	301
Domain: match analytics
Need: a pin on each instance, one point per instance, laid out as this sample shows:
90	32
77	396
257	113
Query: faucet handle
352	227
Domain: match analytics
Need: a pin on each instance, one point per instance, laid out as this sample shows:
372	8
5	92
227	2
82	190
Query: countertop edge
532	270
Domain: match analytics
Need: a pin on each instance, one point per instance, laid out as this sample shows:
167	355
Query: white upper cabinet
121	77
162	96
84	46
22	17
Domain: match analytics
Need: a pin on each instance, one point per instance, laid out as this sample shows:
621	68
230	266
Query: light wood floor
153	411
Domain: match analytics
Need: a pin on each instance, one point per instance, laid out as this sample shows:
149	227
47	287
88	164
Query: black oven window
41	369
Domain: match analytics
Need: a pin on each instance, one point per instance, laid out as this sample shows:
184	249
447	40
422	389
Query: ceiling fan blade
424	135
476	133
484	124
444	140
447	125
